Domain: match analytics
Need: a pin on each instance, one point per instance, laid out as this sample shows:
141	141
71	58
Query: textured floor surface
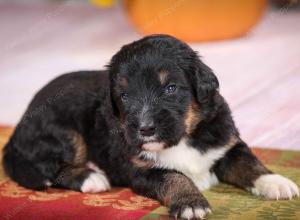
227	202
259	74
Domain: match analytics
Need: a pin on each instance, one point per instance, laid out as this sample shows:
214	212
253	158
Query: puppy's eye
170	89
124	96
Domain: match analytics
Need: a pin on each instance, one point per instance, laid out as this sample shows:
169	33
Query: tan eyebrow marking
193	117
124	82
163	75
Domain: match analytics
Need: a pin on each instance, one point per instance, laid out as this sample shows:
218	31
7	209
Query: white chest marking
189	161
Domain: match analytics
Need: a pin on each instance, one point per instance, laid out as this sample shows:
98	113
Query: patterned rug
121	203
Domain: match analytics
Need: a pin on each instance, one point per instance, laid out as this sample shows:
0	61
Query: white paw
95	182
275	186
196	213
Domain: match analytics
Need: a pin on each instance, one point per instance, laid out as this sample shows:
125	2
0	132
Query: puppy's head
161	91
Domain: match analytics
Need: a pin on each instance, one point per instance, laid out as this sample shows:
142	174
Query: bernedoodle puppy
154	121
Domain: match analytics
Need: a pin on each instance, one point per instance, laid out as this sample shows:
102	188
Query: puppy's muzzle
147	128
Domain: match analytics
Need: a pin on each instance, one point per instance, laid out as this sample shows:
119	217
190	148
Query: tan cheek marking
163	75
192	118
232	141
124	82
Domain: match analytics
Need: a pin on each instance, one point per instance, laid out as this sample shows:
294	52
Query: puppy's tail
21	170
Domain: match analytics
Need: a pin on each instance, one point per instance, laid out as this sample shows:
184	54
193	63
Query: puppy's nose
147	129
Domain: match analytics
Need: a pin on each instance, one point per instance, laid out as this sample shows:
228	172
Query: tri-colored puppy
154	120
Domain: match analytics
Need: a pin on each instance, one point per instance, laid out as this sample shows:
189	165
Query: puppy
154	120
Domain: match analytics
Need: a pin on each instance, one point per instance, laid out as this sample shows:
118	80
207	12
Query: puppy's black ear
204	81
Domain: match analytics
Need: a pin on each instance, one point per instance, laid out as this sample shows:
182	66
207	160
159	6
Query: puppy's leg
173	190
82	179
55	156
240	167
79	174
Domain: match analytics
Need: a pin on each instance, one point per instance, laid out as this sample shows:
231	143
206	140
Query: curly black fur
106	108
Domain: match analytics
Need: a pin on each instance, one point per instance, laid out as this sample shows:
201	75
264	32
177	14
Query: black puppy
154	121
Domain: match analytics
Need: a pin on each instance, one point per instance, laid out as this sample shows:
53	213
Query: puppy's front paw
275	186
193	206
95	182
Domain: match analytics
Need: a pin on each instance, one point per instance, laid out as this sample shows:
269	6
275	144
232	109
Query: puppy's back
71	100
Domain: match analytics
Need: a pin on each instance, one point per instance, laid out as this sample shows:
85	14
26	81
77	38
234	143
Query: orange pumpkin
196	20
